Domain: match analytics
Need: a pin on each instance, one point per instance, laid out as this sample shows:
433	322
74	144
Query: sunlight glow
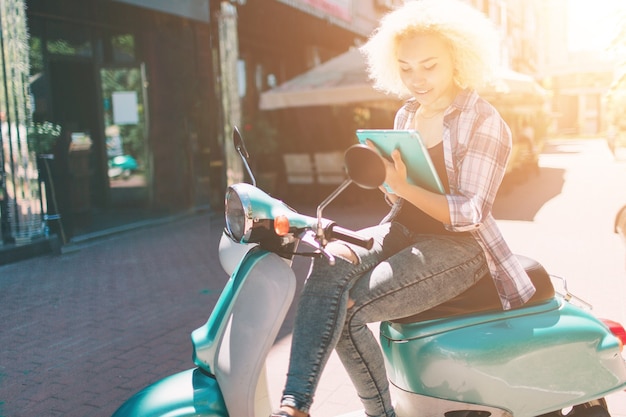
593	25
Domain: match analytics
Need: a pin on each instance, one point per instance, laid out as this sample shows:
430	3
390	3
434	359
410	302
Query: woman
431	247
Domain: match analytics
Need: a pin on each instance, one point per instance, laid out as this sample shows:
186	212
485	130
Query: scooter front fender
189	393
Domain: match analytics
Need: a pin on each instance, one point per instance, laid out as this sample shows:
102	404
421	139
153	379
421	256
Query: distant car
616	140
620	224
524	160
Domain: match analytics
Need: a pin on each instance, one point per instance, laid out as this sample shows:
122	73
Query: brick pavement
84	330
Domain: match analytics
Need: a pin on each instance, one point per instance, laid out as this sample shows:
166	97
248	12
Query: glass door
125	133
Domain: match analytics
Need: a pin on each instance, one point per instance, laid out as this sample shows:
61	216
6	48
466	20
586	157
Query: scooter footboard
189	393
529	361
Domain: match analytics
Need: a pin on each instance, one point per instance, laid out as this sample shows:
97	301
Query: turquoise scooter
465	358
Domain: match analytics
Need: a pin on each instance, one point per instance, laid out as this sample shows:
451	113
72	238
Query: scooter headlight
238	221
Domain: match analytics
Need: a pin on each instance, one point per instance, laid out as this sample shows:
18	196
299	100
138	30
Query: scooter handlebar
349	236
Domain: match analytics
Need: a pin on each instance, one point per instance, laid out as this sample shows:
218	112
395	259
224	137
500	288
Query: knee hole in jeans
343	251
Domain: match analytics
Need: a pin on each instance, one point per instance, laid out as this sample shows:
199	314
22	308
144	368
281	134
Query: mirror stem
245	163
322	206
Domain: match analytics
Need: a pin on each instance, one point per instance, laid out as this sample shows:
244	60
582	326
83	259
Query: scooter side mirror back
240	147
239	144
364	166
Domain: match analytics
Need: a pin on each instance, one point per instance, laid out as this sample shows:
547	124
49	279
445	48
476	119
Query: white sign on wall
125	108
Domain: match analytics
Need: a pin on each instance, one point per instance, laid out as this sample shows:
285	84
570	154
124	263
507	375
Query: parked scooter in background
464	358
122	166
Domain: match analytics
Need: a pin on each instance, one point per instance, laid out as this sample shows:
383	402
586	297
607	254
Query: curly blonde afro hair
471	36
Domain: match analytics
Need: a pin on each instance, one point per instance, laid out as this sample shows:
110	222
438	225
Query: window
123	47
67	39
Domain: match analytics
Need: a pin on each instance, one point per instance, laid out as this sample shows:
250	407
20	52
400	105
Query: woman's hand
396	177
433	204
395	172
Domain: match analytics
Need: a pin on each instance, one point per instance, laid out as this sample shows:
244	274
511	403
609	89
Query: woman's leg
427	273
322	310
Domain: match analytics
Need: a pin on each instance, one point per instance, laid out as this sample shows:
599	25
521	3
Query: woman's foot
288	412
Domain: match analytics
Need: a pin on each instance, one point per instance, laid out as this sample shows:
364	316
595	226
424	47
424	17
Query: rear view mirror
364	166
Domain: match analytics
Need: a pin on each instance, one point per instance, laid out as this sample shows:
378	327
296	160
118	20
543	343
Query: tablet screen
420	168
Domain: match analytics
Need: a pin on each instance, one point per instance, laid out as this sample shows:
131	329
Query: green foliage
43	136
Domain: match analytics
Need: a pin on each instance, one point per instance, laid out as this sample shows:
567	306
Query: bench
329	168
299	168
313	175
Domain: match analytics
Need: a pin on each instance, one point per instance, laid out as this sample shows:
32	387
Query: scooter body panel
527	361
189	393
242	328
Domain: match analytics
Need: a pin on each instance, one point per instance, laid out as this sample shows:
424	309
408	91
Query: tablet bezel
420	168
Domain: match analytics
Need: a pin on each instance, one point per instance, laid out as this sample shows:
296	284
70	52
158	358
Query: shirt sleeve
402	115
484	146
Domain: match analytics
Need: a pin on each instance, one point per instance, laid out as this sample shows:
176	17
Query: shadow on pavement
522	198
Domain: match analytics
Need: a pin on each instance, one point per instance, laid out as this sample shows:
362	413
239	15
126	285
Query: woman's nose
417	79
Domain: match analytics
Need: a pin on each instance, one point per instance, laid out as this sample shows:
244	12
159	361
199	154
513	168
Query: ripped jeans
403	274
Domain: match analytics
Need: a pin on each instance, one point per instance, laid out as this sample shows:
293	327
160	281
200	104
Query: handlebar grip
349	236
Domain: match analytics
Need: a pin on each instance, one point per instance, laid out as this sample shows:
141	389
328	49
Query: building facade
578	79
131	102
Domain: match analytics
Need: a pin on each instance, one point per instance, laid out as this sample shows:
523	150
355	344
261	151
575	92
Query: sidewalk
102	222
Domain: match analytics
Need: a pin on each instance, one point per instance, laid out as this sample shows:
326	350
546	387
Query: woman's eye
430	67
405	69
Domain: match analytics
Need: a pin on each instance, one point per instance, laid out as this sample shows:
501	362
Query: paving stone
82	331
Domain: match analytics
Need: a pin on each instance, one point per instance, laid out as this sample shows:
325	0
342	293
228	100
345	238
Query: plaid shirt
477	144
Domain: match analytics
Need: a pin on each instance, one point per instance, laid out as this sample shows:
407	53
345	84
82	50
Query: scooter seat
483	296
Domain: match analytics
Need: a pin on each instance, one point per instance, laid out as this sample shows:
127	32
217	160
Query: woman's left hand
396	176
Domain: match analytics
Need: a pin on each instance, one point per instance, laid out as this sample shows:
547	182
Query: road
564	218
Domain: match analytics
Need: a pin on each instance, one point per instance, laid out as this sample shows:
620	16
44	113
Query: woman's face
426	69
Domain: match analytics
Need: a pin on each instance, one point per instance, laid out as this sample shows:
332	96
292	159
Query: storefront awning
343	80
191	9
340	80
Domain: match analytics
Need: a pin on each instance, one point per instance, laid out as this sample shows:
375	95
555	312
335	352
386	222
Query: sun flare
594	27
